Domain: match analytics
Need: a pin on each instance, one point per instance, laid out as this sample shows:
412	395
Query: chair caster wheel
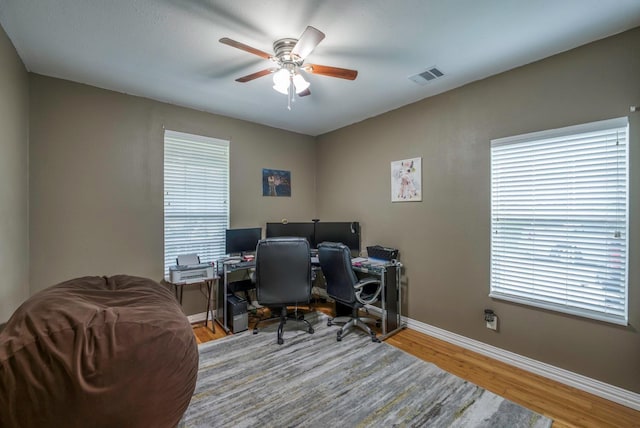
255	331
311	330
280	341
329	322
375	340
339	337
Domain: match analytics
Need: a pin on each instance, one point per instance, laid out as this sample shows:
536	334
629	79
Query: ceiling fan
289	55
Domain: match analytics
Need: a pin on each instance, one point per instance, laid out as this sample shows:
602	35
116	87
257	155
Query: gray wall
444	241
14	179
96	189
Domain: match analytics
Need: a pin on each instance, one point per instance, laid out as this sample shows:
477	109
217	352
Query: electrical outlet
493	324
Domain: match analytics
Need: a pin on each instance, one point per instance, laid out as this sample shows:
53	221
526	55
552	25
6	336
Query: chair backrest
335	261
283	271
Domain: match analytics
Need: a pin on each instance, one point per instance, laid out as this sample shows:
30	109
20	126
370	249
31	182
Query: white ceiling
168	50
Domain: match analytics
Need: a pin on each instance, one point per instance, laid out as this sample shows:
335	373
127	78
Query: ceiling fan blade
342	73
304	93
255	75
246	48
307	42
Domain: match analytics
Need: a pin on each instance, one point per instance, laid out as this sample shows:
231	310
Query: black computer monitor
239	241
346	232
301	230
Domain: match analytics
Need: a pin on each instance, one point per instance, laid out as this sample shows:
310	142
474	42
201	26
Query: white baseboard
584	383
199	317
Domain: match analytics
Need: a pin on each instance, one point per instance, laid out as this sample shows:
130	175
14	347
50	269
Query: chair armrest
359	287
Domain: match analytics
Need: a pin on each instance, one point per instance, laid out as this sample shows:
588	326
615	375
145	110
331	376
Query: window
559	220
196	196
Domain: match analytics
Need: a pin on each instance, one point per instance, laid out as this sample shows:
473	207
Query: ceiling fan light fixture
300	83
284	90
281	81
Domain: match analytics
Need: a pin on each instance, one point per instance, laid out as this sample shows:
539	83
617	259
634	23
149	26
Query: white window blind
196	196
559	220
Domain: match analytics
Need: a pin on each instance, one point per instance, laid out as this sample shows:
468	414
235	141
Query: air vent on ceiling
432	73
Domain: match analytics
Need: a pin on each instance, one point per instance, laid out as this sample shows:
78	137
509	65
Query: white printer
188	269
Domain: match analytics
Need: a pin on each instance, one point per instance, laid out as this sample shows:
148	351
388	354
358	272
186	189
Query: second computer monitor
346	232
300	230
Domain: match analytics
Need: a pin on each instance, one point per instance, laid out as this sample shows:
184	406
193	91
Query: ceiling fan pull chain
290	95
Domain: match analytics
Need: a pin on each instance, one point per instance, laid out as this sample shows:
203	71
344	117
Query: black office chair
344	287
283	278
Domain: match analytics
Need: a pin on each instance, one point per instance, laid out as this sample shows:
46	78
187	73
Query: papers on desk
359	261
232	260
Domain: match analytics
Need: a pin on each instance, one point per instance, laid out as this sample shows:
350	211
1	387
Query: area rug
312	380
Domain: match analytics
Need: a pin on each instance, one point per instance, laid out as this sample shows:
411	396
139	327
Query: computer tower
237	316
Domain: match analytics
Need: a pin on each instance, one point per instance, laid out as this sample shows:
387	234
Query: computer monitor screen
301	230
346	232
240	241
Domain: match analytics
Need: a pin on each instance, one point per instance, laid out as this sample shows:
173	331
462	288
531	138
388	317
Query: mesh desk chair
344	287
283	278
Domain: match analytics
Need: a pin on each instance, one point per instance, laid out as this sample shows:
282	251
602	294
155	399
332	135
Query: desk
390	295
208	282
224	267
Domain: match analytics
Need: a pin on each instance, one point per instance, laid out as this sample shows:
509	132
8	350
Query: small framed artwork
276	182
406	180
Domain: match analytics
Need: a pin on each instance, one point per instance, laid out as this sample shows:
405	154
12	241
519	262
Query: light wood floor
567	406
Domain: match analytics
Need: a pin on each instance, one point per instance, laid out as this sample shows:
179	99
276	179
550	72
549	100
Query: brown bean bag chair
97	352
